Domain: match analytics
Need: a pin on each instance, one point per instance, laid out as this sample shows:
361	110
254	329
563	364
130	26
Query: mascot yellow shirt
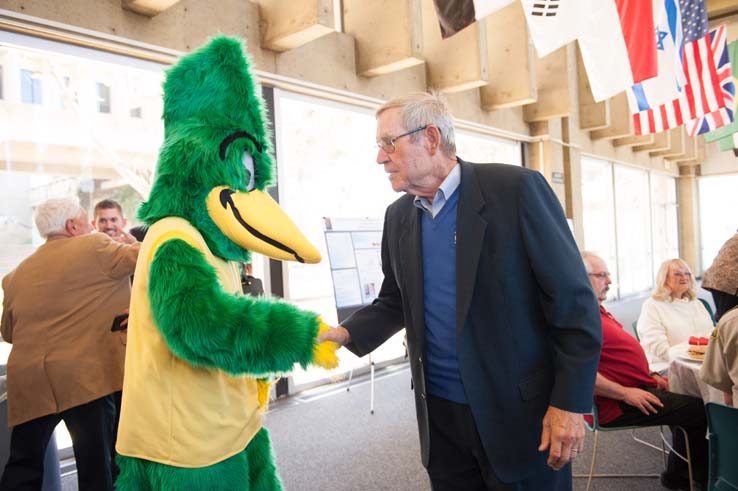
183	416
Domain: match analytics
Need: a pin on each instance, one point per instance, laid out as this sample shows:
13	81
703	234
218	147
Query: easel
343	314
371	383
353	246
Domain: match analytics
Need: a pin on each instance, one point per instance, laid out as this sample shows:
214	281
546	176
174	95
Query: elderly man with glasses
503	333
629	394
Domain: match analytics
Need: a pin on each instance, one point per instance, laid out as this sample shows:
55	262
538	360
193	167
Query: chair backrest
723	428
635	331
708	308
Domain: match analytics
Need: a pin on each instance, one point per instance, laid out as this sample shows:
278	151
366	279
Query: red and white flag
637	20
702	94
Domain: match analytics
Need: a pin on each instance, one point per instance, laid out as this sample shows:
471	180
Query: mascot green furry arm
191	413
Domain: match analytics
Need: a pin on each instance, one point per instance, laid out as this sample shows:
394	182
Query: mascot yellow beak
254	221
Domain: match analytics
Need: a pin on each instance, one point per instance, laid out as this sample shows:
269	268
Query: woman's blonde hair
662	292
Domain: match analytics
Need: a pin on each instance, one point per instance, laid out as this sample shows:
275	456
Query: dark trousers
117	398
458	461
679	410
91	428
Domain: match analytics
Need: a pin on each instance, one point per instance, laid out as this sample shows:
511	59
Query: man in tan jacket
58	309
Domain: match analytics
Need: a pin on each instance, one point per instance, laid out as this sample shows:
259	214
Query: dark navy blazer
528	325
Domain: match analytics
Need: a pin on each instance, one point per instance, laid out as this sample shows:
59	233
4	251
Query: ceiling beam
388	34
592	115
149	8
620	120
661	141
512	61
677	144
288	25
459	62
552	80
633	140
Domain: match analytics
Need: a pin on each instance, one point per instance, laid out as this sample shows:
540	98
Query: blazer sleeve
374	324
6	324
115	259
565	294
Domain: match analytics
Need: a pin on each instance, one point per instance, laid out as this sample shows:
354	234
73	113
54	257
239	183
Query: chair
723	428
635	331
596	429
708	308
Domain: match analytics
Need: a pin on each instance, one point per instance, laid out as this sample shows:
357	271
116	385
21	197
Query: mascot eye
248	162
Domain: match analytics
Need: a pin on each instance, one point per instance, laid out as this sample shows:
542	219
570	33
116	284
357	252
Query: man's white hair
424	108
585	255
51	216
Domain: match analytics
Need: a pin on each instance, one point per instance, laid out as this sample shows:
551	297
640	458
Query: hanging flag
596	25
637	21
552	23
722	116
703	92
666	86
731	128
455	15
729	142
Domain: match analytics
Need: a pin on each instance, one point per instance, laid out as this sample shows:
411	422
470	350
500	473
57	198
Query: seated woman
672	314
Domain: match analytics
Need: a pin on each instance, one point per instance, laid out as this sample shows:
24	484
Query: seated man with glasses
627	393
672	314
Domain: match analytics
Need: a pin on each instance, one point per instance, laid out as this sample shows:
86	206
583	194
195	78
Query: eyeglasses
679	274
387	144
602	275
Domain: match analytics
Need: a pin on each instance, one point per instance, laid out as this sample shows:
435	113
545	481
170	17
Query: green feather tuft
209	95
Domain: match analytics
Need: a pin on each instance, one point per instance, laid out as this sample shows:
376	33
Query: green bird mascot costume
192	401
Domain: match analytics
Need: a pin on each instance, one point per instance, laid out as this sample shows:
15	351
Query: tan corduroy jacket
722	275
58	308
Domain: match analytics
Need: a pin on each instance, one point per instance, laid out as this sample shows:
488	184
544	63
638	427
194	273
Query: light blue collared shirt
446	189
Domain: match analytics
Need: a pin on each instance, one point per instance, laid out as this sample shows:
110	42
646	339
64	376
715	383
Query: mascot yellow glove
324	354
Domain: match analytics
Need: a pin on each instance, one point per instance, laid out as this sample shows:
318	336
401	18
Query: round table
684	376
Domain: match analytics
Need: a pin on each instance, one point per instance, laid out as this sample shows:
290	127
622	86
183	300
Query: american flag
724	115
704	59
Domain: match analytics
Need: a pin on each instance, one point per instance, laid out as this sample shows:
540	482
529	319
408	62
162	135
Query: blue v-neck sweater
439	297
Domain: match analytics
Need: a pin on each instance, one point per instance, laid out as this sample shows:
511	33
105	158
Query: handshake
329	340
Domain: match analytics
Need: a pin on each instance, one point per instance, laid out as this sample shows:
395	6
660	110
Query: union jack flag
723	116
707	97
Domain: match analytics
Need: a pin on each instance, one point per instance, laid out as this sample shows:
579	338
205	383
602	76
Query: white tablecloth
684	377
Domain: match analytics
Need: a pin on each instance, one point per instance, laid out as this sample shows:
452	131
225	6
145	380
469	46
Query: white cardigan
666	324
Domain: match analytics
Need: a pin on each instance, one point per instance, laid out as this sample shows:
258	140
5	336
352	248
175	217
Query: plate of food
695	349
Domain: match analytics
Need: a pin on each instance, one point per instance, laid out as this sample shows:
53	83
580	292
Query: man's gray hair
585	255
51	216
424	108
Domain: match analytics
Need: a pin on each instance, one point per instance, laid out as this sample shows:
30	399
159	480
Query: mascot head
216	160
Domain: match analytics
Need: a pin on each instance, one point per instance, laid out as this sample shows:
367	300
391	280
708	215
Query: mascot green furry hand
191	415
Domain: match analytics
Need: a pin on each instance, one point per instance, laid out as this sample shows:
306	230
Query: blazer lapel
412	265
470	230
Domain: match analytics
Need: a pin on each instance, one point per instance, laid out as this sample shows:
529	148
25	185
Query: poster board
354	253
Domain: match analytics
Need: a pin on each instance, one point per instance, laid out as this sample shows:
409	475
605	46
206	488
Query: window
473	147
630	219
599	214
79	153
327	168
664	220
718	221
31	87
103	98
633	220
